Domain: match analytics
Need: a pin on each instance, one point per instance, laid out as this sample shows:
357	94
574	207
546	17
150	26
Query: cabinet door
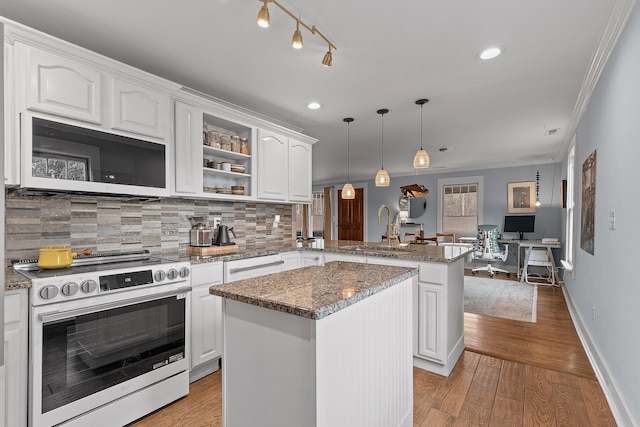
138	109
206	326
14	392
11	122
206	314
312	258
299	172
272	166
63	87
430	322
291	260
188	121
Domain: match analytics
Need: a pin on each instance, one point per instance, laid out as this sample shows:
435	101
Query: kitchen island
319	346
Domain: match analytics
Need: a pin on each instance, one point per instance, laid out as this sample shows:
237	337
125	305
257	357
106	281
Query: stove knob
69	289
48	292
172	274
159	276
184	272
88	286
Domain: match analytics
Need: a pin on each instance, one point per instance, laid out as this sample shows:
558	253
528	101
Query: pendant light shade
421	159
296	41
263	19
382	177
348	192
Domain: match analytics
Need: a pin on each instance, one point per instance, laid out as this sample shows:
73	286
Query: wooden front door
351	217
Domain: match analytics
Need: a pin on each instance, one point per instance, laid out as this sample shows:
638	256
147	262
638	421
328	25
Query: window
569	250
460	206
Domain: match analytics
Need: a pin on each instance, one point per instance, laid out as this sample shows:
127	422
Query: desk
537	244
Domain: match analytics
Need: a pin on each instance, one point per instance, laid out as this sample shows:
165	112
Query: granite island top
315	292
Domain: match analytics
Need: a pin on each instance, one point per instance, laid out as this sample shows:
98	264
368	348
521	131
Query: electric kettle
223	238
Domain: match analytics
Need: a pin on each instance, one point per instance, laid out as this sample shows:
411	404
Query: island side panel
364	362
268	367
455	313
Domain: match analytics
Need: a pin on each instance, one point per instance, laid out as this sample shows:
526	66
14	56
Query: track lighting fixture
264	21
328	58
421	159
348	192
263	16
296	41
382	177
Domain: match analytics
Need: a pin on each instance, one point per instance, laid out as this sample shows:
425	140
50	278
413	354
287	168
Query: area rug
500	298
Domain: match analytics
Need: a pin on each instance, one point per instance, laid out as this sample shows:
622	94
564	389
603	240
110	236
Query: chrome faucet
388	221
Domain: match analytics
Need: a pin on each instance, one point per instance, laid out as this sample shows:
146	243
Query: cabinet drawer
252	267
431	273
208	274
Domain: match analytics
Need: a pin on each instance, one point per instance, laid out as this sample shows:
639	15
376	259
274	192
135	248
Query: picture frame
521	197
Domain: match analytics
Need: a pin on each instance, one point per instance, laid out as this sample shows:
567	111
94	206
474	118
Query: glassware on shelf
244	146
225	142
213	138
235	143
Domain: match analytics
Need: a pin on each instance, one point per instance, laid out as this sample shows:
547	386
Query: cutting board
212	250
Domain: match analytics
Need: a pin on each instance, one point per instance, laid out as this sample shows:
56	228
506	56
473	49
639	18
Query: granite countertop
315	292
429	253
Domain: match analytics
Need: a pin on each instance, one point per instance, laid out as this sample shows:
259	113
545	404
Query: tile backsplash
159	225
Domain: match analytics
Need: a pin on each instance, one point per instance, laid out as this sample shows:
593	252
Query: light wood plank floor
512	374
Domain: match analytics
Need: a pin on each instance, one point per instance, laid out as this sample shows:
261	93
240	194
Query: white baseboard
619	408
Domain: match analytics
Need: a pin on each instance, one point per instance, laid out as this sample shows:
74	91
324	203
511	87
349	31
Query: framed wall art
521	197
587	231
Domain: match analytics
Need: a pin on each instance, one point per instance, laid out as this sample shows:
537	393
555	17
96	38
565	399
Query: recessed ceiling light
313	105
490	53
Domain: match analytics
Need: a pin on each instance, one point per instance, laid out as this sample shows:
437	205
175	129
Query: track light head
328	58
296	41
263	16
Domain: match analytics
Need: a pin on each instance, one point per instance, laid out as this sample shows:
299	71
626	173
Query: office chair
488	249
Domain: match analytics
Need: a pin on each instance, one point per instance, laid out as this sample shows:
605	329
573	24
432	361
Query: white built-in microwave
59	155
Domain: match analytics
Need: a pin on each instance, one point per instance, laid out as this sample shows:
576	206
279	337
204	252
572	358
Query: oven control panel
83	285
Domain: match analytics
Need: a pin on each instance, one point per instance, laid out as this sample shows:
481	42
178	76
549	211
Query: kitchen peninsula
319	346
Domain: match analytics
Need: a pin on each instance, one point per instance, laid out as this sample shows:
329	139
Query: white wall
607	281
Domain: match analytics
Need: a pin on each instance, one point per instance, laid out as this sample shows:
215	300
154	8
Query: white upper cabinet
272	166
299	172
284	168
61	86
138	109
188	128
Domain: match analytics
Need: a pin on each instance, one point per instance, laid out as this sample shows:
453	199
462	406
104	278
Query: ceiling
484	113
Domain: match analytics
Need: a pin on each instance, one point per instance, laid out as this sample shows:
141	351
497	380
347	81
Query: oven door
83	358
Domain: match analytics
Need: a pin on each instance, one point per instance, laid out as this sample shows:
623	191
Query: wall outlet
276	221
612	220
593	313
216	221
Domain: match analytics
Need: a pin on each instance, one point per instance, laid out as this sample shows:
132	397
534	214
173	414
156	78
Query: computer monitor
519	224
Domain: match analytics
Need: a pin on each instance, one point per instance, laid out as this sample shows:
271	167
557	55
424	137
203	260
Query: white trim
570	219
479	179
620	12
619	408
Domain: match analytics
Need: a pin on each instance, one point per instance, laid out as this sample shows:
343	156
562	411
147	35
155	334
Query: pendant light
382	177
421	159
348	192
263	19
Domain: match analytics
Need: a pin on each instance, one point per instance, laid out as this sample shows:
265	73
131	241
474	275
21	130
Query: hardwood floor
512	374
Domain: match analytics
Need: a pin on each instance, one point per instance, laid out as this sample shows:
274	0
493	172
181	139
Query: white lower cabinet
308	259
13	375
206	320
291	260
328	257
252	267
429	323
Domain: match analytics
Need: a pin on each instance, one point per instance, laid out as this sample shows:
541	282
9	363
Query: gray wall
608	279
548	216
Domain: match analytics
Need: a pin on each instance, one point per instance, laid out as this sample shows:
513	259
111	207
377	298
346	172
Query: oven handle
254	267
53	316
